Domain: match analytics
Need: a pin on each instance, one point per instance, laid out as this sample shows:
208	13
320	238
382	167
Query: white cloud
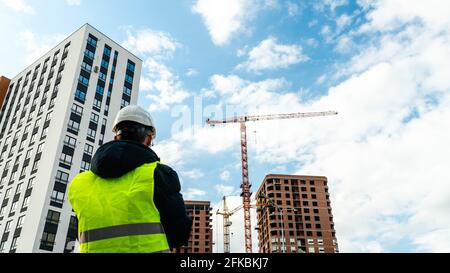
271	55
224	190
344	44
224	19
170	152
36	45
312	42
193	193
20	6
331	4
224	176
343	21
160	85
193	174
321	79
191	72
325	31
293	9
312	23
73	2
157	44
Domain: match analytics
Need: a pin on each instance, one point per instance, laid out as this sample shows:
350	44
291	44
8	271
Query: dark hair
133	131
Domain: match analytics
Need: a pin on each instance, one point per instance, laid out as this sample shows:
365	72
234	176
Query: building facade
55	115
294	215
4	83
200	240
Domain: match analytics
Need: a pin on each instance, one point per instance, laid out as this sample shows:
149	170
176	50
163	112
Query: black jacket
116	158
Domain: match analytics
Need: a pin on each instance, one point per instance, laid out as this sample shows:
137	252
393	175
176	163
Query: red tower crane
246	185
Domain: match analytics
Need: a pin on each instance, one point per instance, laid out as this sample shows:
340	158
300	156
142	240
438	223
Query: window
130	66
49	116
66	159
13	207
128	78
41	110
22	145
33	138
83	80
73	125
2	211
20	221
7	193
39	148
44	132
100	90
23	172
19	188
86	67
88	149
97	103
30	183
27	129
47	241
105	64
92	40
8	226
102	76
320	242
77	109
127	91
25	202
81	95
2	246
124	103
13	176
89	53
85	165
321	250
7	165
53	217
62	177
35	166
107	51
94	118
57	197
311	250
36	124
70	141
91	133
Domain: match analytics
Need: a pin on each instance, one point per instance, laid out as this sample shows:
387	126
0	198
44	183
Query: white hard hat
134	113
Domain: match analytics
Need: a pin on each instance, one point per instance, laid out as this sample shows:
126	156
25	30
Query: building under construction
294	215
200	240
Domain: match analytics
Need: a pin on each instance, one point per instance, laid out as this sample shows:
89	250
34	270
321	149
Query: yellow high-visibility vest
118	214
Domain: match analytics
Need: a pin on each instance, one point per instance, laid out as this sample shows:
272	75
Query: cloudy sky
383	64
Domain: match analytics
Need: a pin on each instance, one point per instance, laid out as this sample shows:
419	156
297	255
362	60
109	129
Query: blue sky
383	65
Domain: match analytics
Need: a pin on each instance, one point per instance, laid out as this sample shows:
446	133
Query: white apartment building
56	113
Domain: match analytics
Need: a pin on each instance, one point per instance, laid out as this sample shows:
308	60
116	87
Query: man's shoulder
165	169
166	178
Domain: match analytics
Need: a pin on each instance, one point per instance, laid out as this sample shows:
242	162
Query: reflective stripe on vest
119	231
